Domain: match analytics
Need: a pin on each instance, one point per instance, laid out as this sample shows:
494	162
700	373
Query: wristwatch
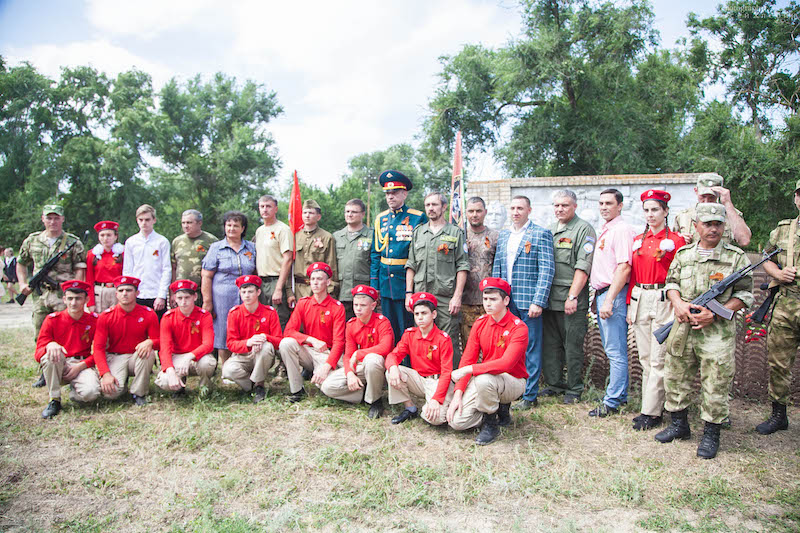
572	298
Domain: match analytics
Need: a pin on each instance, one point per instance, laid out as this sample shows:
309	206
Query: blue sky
352	76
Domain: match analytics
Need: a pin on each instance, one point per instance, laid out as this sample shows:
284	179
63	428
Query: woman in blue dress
226	260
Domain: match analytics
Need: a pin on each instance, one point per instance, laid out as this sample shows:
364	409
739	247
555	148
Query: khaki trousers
649	310
484	394
420	387
122	365
204	368
245	369
85	387
104	297
294	356
371	371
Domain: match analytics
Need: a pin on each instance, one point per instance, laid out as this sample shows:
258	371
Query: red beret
105	224
319	266
655	194
365	290
495	283
183	285
76	285
418	297
250	279
126	280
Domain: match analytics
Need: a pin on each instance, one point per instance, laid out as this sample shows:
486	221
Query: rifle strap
63	242
790	249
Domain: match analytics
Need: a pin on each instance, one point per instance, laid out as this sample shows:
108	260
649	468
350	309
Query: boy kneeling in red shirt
484	391
431	353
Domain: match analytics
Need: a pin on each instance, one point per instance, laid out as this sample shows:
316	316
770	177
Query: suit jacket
534	266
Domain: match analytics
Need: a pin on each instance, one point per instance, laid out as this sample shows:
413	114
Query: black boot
709	444
52	409
776	422
375	409
259	393
39	382
489	430
678	429
504	414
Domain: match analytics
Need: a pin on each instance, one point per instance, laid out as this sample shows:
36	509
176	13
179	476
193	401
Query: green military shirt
435	259
353	254
779	238
36	251
188	254
315	246
573	249
684	224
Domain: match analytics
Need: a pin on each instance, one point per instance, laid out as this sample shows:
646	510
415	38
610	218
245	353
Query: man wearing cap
783	336
430	354
37	249
274	241
314	245
103	265
147	258
125	343
525	260
189	249
564	321
315	335
187	340
611	267
353	253
254	333
438	264
368	340
701	339
481	248
484	391
709	189
64	349
394	229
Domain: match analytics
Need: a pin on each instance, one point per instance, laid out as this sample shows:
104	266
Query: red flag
457	203
295	212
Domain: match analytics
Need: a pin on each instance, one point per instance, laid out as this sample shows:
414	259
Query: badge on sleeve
588	247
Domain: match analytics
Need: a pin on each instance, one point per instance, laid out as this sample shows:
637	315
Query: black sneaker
489	430
603	411
259	394
375	409
39	383
52	409
296	396
405	415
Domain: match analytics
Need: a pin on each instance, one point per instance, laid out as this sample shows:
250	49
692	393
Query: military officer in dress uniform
353	253
700	339
783	336
314	245
393	231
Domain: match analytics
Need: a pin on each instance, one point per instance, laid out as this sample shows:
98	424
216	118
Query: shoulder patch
203	310
171	311
338	302
108	310
93	314
270	308
355	317
444	333
517	321
409	329
381	317
52	315
414	212
148	309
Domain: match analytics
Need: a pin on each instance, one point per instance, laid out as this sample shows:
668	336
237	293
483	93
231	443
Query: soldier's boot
678	429
709	444
39	382
776	422
504	414
489	430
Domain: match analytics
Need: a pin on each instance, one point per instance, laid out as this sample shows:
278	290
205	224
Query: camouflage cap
53	208
709	211
706	181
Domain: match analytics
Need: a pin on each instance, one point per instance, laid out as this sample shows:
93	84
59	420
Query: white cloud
149	18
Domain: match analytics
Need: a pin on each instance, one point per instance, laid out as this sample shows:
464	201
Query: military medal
318	242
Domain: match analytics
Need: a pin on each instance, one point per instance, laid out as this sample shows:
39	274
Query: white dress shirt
147	258
514	238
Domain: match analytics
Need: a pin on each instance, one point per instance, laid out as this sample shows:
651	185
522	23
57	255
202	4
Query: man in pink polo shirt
611	269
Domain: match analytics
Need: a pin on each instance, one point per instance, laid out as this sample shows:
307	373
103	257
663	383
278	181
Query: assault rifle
708	298
42	278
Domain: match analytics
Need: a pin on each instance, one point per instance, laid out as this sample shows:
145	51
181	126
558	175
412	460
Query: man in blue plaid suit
524	258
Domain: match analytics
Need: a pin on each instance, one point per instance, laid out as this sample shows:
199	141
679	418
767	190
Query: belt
598	292
269	278
107	285
651	286
301	281
393	261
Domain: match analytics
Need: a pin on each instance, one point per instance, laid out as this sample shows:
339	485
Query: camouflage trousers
49	302
783	338
711	350
469	314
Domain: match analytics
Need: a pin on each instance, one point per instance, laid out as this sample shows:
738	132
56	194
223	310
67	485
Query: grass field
222	464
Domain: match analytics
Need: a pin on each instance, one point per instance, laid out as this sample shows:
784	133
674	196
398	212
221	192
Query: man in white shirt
147	257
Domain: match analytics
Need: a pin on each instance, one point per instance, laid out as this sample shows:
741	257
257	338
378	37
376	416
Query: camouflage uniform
481	248
36	250
684	224
712	347
783	336
187	257
312	247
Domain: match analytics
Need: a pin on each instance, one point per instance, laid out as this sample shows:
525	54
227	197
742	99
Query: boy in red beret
254	333
368	339
187	340
314	336
64	349
484	391
430	351
125	343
